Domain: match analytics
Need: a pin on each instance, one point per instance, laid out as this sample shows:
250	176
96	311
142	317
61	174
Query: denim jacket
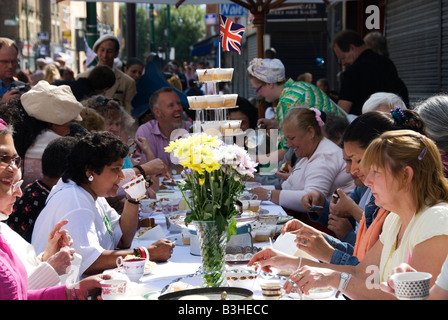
343	254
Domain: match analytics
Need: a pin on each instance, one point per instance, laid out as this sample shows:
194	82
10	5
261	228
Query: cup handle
119	262
146	252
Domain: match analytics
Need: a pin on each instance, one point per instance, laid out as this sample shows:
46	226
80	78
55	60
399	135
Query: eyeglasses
13	62
259	88
16	186
105	101
9	160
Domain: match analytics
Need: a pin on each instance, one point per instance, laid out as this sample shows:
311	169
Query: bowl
148	205
241	277
270	219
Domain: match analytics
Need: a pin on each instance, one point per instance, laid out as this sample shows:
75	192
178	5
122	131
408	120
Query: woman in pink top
13	275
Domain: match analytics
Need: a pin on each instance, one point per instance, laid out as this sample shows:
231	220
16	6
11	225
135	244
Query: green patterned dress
296	93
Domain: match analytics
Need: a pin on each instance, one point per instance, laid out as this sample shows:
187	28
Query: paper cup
215	101
113	289
411	285
226	74
230	100
205	74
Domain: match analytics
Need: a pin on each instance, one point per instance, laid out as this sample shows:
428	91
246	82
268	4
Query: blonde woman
51	73
406	177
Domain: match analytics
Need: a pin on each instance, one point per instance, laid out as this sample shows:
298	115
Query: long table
183	265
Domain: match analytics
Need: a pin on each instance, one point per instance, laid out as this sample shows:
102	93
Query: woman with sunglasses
14	279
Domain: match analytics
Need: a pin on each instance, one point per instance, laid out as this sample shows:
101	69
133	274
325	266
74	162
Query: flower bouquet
214	179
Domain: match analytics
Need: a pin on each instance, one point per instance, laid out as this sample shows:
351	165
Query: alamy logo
373	20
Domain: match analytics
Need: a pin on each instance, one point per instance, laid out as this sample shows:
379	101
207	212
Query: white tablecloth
183	264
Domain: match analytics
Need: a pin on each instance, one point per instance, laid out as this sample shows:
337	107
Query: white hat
53	104
104	38
267	70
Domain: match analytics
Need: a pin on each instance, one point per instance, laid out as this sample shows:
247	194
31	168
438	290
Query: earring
91	178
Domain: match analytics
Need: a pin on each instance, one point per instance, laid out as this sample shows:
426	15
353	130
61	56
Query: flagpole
219	36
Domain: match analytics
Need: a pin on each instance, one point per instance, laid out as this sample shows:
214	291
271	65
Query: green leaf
232	229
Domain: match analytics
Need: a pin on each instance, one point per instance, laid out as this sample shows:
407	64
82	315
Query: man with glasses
8	65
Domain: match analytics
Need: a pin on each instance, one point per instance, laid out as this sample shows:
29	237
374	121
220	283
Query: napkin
155	233
285	243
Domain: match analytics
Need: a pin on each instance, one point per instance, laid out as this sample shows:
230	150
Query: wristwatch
269	195
345	278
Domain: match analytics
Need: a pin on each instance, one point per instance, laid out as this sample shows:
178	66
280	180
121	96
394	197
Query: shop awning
205	46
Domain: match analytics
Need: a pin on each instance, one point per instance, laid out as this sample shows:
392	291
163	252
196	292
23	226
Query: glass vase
212	243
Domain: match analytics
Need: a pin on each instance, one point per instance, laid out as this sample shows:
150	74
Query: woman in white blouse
321	166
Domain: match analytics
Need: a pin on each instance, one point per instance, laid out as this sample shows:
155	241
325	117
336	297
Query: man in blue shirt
8	65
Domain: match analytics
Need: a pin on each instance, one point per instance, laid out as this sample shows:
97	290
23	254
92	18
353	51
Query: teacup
136	188
113	289
272	290
254	205
134	268
411	285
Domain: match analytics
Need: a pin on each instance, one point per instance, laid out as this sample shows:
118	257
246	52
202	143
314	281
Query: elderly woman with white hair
434	112
383	101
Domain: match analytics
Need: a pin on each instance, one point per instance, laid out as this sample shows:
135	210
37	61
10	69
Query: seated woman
321	166
434	111
42	114
94	171
406	177
14	278
360	205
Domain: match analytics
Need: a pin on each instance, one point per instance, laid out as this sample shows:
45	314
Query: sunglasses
11	160
259	88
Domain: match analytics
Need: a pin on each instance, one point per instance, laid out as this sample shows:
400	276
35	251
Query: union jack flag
230	34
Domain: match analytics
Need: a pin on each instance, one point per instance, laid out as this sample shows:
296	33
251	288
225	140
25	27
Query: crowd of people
364	171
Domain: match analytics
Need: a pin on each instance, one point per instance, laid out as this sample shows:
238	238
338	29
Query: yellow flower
201	181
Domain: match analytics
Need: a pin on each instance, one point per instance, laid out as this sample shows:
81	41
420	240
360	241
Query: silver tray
231	293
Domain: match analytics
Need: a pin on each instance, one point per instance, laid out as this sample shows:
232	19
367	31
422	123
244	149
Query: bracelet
269	195
132	201
141	252
300	263
140	169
